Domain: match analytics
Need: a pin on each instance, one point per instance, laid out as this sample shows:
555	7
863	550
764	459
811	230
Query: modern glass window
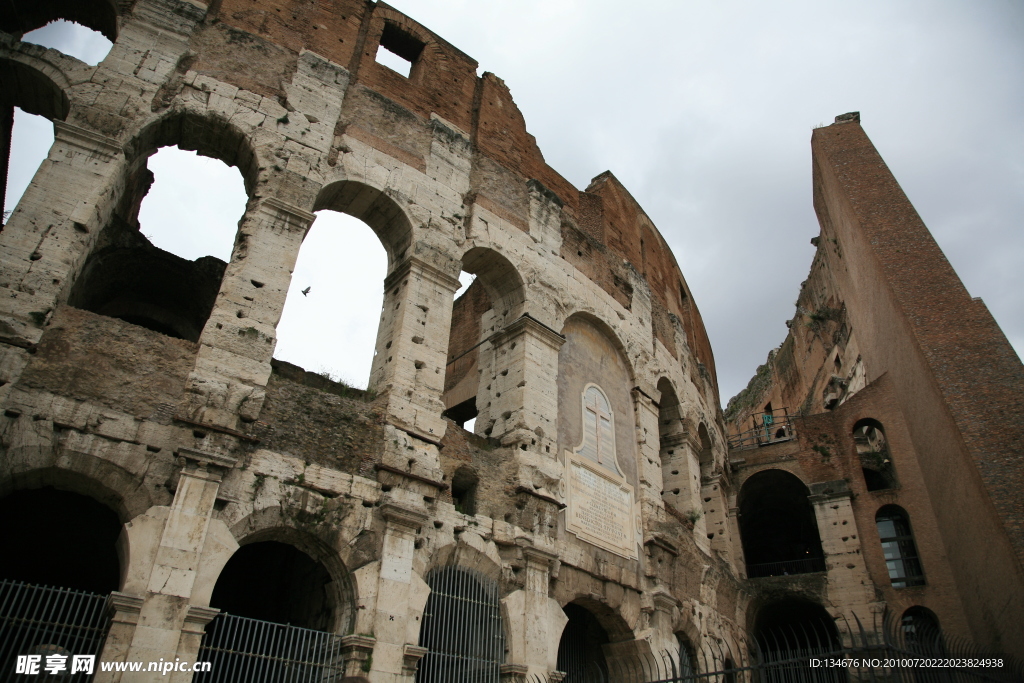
898	547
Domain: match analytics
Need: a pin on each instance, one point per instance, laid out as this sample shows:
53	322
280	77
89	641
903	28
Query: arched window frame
898	547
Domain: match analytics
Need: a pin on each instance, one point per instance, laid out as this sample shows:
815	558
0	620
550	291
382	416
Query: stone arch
778	527
27	15
59	528
793	623
33	84
339	592
127	277
208	134
374	206
608	331
464	555
123	491
500	278
428	58
594	638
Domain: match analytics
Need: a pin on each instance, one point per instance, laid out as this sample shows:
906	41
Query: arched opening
687	668
462	628
873	453
160	260
581	650
492	297
331	316
791	631
22	17
276	582
921	632
59	562
706	456
59	538
898	547
30	101
679	469
778	527
464	485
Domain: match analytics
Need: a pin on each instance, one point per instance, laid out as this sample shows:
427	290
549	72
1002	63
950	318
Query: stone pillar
545	217
166	626
6	128
736	547
663	618
716	513
682	483
392	597
357	651
535	621
848	581
233	364
648	440
412	346
192	632
518	397
55	225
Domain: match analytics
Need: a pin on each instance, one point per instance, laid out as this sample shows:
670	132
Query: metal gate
461	629
55	626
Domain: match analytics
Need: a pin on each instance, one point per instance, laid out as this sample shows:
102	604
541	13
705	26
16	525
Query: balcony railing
59	623
243	649
769	428
805	565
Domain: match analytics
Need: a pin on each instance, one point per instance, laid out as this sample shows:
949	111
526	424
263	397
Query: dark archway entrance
778	527
274	581
59	538
788	634
581	649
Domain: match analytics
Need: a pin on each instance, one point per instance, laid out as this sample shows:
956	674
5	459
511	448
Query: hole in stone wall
464	485
160	262
333	310
59	538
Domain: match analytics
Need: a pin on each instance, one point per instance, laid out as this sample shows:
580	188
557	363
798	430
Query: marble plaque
599	507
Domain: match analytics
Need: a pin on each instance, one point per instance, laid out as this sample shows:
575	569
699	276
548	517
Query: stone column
664	616
392	597
53	228
648	440
412	346
682	483
519	394
535	621
716	513
848	581
233	364
166	626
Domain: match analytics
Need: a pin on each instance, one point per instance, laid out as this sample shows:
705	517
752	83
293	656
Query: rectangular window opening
398	50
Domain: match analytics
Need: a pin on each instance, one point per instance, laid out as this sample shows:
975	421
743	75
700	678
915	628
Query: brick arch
22	16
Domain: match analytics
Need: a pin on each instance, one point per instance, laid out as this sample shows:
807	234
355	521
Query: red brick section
259	42
959	382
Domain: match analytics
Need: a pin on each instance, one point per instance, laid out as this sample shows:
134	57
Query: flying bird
306	290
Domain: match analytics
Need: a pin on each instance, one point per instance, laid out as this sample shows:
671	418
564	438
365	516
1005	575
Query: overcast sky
704	110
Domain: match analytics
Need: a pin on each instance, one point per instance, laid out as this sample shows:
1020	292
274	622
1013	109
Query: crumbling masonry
142	404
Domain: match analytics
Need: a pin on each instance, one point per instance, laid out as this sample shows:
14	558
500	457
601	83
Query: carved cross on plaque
598	429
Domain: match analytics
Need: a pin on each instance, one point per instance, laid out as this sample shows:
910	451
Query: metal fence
786	567
889	651
462	629
244	649
769	428
59	623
